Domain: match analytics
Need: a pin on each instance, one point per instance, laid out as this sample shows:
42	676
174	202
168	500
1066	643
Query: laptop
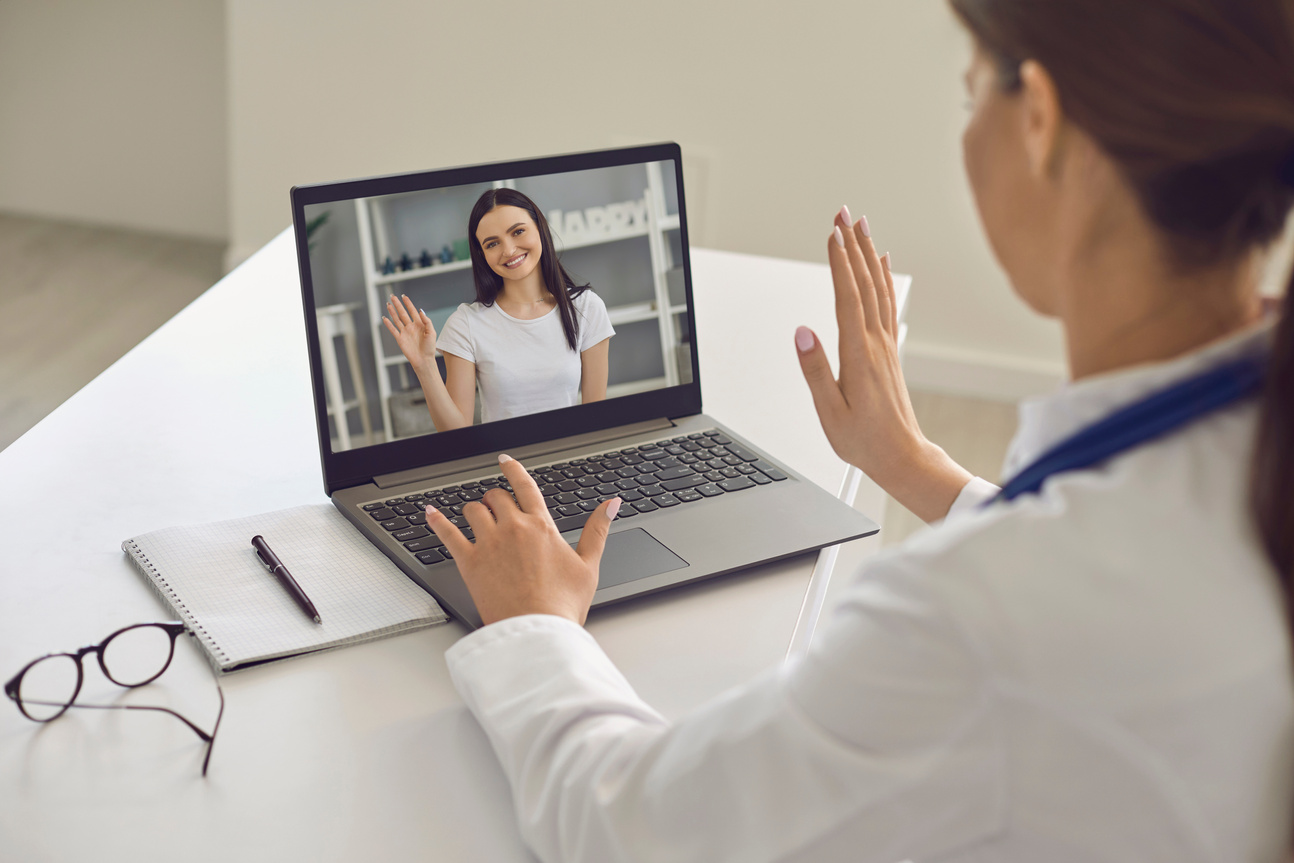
599	396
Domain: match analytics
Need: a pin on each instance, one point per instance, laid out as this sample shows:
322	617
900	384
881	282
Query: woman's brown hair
1193	100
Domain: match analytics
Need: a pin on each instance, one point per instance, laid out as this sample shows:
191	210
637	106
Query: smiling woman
533	340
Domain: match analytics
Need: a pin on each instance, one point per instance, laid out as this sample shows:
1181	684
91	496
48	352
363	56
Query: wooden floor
74	298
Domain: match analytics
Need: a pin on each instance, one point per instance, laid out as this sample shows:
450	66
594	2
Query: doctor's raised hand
519	563
866	412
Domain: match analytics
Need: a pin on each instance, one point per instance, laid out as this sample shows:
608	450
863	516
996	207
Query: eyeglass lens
136	655
49	686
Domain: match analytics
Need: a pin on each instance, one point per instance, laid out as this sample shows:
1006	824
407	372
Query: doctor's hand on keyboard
519	563
866	413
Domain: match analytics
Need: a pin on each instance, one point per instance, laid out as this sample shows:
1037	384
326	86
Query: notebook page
242	613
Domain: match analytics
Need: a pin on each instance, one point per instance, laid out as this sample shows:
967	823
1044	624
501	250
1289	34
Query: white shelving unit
375	241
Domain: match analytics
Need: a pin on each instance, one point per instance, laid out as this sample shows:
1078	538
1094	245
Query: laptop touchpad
633	554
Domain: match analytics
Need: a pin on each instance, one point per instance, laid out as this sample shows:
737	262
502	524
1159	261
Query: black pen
274	565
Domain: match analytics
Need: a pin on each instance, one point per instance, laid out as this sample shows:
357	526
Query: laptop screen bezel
360	465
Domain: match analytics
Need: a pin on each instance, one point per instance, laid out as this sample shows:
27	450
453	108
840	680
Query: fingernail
613	508
840	238
432	512
867	232
889	262
844	214
803	339
504	457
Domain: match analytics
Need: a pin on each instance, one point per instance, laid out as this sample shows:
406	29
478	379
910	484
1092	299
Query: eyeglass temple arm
207	738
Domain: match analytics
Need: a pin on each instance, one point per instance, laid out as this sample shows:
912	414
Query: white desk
364	753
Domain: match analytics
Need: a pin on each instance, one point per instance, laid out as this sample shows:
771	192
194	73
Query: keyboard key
651	490
607	476
417	518
683	482
629	496
690	446
675	449
566	497
632	458
653	455
721	438
445	552
411	533
568	509
606	488
746	469
759	478
568	485
730	472
459	521
626	512
588	481
774	474
742	453
711	433
471	484
674	473
695	436
405	509
688	458
571	522
469	494
586	494
394	501
427	542
644	506
626	484
369	507
395	524
383	514
687	495
679	439
665	500
736	484
589	505
709	490
427	558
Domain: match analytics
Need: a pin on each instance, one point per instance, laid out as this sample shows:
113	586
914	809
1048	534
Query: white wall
114	113
787	110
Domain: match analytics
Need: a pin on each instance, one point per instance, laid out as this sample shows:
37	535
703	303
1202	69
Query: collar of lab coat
1047	420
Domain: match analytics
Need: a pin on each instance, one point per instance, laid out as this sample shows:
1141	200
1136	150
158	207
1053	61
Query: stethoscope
1156	415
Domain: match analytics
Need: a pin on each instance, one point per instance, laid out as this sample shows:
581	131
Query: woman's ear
1042	118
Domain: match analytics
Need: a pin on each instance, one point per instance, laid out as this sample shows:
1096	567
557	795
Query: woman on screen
533	340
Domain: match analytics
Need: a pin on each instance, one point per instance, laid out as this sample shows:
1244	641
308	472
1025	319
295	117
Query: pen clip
265	563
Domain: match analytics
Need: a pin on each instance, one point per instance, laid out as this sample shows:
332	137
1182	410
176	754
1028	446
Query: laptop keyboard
657	475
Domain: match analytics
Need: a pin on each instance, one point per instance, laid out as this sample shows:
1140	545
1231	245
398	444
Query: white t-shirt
524	367
1097	672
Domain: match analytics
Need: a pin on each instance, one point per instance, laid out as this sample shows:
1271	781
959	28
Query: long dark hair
1193	100
556	279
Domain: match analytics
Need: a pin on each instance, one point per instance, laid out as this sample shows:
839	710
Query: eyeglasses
130	657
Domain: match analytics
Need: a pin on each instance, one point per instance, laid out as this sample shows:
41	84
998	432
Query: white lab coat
1099	672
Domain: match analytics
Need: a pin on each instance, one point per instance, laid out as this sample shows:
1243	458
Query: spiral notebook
211	578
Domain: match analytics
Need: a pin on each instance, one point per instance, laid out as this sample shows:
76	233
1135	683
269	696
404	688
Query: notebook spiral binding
160	586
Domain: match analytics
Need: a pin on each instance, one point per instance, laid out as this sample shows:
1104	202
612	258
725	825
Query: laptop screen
467	310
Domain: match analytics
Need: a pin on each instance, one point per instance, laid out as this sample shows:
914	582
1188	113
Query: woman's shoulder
587	300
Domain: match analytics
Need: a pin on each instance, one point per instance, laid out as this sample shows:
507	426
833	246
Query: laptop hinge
430	472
